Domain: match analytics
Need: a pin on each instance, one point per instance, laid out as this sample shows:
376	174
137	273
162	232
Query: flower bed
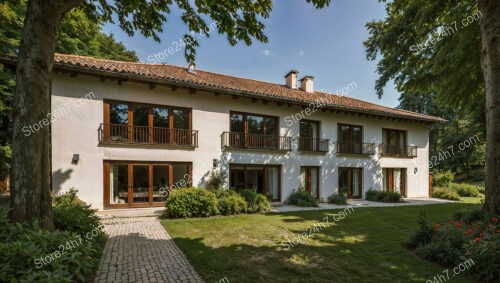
471	235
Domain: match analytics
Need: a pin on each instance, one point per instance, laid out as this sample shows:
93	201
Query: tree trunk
31	149
490	63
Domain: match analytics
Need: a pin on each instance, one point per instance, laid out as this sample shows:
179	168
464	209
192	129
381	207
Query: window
309	137
147	124
142	184
253	131
309	180
263	179
394	180
394	142
350	140
350	180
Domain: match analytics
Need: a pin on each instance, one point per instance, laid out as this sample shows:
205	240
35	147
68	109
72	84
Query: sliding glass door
139	184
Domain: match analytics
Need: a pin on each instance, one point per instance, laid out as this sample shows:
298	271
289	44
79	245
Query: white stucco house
123	131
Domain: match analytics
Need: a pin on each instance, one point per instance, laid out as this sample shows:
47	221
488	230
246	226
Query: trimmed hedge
191	202
257	203
199	202
302	198
445	193
230	202
382	196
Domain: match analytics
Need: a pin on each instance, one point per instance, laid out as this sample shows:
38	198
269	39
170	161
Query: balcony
313	145
398	151
255	141
144	135
355	148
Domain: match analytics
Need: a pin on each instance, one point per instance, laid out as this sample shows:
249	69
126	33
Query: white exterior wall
76	133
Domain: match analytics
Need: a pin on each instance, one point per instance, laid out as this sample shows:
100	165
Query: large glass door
350	180
162	182
262	179
310	180
140	185
131	184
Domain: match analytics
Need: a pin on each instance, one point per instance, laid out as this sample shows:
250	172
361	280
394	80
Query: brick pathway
140	250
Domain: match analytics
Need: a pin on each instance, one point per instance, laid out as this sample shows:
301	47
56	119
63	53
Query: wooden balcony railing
313	145
355	148
397	150
122	133
255	141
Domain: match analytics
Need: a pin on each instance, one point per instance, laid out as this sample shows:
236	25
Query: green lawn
366	246
472	199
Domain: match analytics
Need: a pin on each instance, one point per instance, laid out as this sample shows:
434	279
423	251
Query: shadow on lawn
333	261
367	246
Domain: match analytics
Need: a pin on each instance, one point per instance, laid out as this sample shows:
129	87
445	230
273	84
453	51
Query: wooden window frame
385	135
309	123
350	141
245	121
130	122
264	166
308	179
349	181
389	171
106	169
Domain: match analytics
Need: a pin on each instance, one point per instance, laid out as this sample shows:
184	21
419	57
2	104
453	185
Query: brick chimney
291	79
307	84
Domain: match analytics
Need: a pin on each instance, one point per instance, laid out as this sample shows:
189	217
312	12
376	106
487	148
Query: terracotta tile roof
171	74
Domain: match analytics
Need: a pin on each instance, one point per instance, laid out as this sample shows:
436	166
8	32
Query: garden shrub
191	202
468	216
465	190
423	235
476	175
256	203
443	178
71	253
337	199
231	202
471	235
445	193
383	196
215	180
481	189
33	254
72	214
301	197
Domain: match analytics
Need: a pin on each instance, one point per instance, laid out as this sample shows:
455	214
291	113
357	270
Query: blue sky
326	44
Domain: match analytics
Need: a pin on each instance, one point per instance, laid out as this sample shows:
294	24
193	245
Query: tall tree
239	20
77	35
447	48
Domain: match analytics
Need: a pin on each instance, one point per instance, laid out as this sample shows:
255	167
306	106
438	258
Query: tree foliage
431	50
79	34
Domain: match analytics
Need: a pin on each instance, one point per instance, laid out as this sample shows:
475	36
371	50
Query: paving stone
140	250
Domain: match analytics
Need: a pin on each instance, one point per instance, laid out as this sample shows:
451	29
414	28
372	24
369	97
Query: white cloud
267	52
301	53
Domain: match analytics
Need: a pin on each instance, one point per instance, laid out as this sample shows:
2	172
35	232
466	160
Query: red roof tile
236	85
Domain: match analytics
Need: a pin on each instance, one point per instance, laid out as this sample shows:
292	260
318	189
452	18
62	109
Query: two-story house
124	131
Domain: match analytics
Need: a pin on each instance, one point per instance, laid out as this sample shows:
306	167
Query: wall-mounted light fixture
215	163
415	170
75	159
